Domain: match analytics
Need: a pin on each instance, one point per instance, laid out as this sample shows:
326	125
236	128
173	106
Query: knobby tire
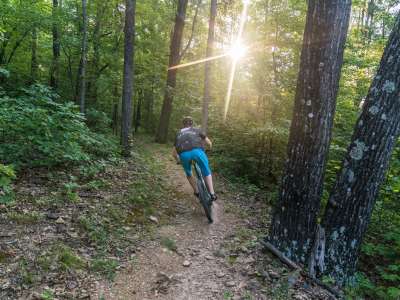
204	195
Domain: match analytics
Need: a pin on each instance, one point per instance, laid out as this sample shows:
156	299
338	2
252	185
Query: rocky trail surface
191	259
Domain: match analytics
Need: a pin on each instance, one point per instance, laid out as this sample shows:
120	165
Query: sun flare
238	51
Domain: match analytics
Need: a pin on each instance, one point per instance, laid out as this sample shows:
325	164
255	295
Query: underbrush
250	152
80	223
38	131
7	175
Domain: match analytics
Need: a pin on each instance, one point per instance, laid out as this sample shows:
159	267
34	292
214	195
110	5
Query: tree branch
103	68
192	34
17	44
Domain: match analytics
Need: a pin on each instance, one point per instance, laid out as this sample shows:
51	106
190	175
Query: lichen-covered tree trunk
174	59
207	67
56	46
127	86
353	197
295	214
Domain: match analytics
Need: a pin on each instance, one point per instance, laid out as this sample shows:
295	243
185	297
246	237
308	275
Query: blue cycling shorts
198	155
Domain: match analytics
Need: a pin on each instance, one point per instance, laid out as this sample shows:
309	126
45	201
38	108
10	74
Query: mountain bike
204	194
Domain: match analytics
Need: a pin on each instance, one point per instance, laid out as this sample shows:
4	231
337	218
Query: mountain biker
189	145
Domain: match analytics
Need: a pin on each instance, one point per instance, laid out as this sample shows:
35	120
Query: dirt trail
159	273
188	259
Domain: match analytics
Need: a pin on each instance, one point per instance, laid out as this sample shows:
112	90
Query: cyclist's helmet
187	121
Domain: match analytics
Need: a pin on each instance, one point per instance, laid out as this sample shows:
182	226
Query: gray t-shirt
188	139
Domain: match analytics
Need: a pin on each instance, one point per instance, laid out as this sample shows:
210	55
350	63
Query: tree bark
207	67
138	118
127	86
353	197
56	47
149	108
96	51
295	214
82	69
371	14
34	61
174	59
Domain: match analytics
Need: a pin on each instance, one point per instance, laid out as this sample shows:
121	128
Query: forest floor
134	230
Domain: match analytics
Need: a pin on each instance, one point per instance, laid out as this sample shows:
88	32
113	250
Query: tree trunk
138	118
127	86
207	68
96	51
353	197
174	59
56	47
295	215
82	69
371	13
149	107
34	61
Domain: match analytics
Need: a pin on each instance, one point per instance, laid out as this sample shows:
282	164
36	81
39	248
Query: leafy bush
36	131
4	73
98	121
251	152
6	177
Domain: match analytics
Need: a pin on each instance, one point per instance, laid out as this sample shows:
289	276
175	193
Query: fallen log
293	265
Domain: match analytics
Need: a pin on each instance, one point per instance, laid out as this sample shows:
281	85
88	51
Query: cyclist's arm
205	138
208	142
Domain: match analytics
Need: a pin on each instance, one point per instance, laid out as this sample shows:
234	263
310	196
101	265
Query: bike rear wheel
204	195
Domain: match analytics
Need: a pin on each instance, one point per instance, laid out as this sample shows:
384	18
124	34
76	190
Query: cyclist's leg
202	159
186	159
209	182
192	182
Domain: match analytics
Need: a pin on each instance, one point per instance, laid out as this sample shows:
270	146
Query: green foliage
68	259
7	175
169	243
383	256
70	190
26	276
4	73
98	121
104	267
249	152
365	288
91	169
228	295
36	131
24	217
60	257
97	232
47	295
